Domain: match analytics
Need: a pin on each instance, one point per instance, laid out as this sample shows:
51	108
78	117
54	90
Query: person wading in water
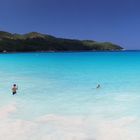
14	89
98	86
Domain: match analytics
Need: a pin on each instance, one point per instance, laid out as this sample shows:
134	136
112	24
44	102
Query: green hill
34	41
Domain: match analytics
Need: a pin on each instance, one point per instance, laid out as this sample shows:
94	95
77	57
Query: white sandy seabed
56	127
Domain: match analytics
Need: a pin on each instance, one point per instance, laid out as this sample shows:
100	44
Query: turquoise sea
58	100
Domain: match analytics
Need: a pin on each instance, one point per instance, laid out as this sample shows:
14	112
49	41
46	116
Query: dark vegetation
41	42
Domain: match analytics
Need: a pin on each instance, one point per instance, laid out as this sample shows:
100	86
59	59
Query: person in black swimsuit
14	89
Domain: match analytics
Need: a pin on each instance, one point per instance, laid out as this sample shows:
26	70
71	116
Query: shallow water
58	100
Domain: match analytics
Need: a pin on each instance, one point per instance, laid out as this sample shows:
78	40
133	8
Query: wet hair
14	85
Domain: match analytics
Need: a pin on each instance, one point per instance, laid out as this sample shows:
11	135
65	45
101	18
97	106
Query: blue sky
117	21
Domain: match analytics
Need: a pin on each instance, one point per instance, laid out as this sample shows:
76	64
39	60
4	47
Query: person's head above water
14	85
98	86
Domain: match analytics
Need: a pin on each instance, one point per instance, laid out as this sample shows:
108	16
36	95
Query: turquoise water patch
62	86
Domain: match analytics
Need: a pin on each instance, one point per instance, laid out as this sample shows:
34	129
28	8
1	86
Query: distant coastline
82	51
115	51
37	42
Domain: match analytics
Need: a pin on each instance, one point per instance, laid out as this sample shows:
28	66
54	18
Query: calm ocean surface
58	100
